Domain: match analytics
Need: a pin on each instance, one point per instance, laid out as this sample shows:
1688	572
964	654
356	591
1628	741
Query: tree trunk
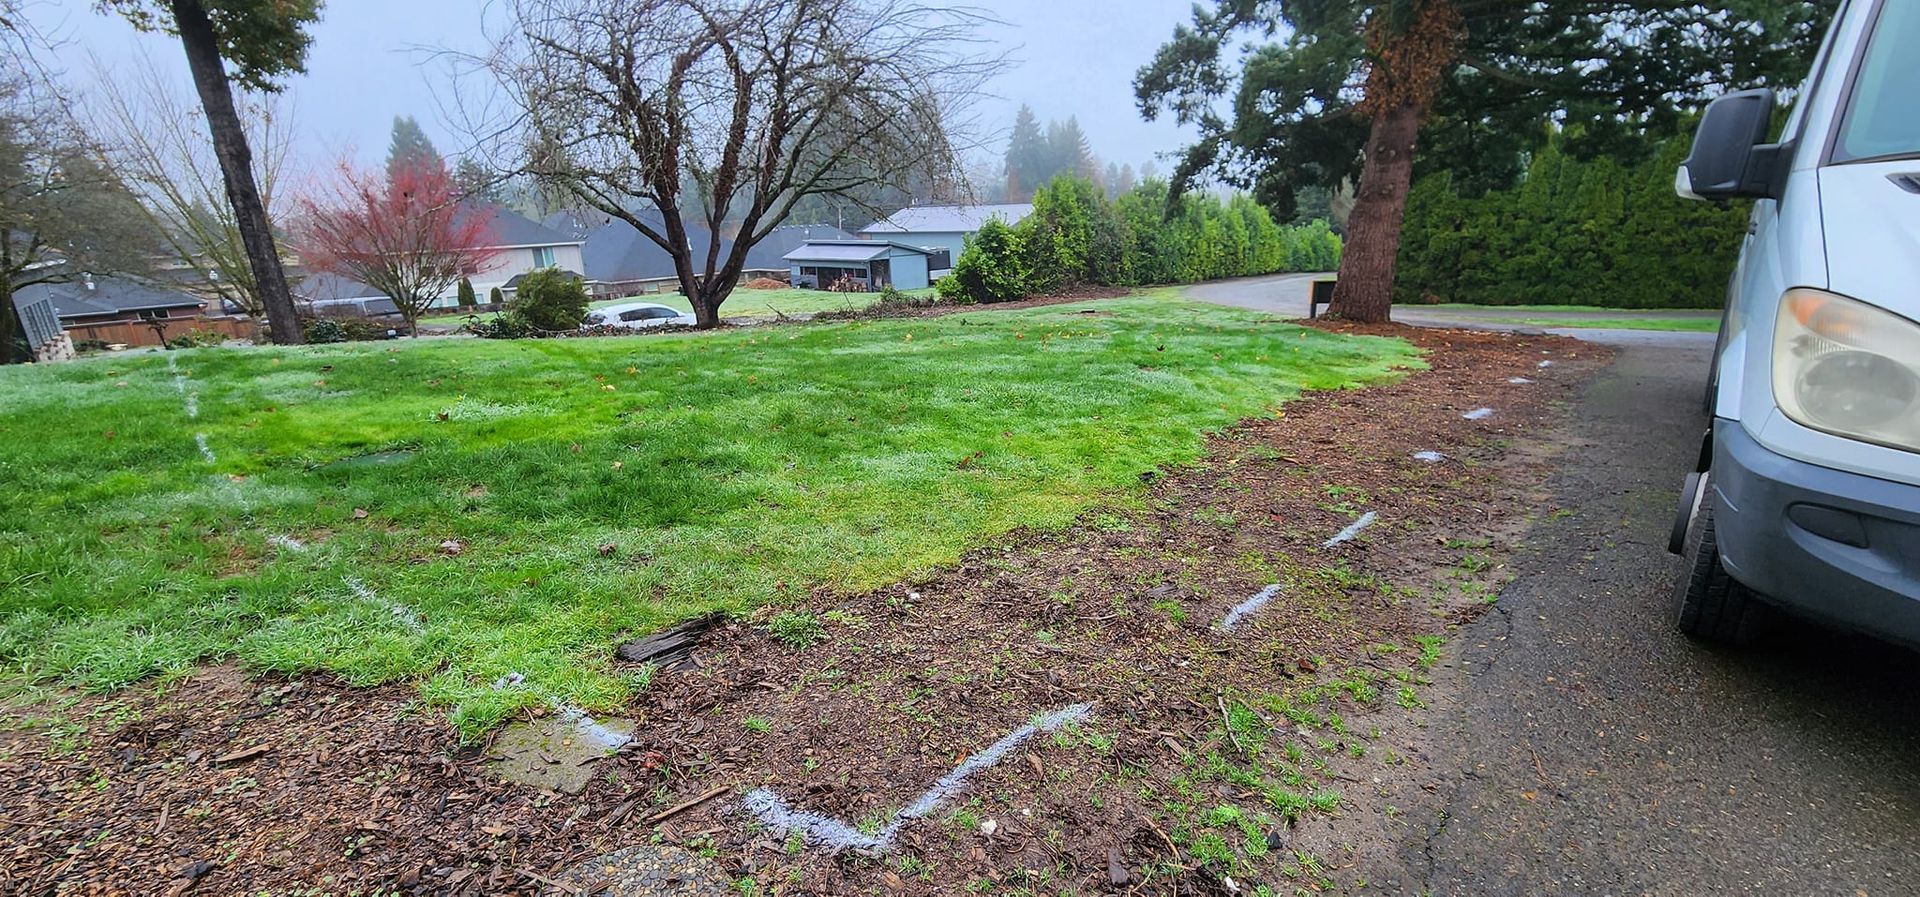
236	167
706	310
1364	291
9	324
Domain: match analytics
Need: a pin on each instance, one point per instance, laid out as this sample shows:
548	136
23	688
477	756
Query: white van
1807	495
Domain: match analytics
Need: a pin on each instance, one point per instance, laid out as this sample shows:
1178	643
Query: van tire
1712	605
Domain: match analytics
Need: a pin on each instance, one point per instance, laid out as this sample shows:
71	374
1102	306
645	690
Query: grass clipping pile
1256	759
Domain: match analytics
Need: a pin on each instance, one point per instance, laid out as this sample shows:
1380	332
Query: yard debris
359	513
243	754
453	547
1431	457
1478	414
670	648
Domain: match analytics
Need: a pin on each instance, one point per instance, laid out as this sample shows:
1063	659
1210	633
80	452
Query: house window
543	256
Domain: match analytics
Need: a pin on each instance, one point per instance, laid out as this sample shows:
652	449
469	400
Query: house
89	300
117	310
864	264
522	245
943	227
770	253
620	261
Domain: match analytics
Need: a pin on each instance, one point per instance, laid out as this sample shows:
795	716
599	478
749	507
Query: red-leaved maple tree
407	234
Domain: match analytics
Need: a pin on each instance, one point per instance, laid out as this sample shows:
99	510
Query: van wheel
1712	606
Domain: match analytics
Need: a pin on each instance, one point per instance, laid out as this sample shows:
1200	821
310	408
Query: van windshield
1883	114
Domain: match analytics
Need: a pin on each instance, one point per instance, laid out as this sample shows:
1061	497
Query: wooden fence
141	333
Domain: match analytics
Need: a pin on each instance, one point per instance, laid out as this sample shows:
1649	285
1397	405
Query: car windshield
1883	113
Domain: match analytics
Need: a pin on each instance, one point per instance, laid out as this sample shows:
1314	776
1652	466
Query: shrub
325	330
551	300
495	297
467	298
506	325
993	268
194	339
89	345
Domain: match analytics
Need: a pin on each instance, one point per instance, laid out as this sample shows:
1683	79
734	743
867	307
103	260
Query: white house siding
510	263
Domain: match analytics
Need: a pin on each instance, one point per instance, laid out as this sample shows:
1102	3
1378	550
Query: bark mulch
222	783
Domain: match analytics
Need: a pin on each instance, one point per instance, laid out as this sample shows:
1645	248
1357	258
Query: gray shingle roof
847	250
511	228
947	219
109	296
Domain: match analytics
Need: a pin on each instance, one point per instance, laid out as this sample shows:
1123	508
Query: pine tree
410	147
1026	157
466	294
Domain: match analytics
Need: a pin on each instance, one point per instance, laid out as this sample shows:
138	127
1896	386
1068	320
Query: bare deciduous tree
157	141
722	114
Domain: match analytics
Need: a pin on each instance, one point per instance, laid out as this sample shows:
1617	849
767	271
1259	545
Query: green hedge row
1572	232
1076	236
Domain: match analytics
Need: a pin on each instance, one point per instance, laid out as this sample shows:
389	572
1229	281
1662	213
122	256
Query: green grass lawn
1687	325
729	470
743	303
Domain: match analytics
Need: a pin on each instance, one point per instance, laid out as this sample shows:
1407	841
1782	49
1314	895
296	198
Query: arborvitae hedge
1572	233
1076	236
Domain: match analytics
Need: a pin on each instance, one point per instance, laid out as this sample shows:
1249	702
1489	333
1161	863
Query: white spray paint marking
1544	364
586	726
193	404
1353	529
1478	414
1518	381
826	831
200	439
1250	606
286	543
1431	457
400	612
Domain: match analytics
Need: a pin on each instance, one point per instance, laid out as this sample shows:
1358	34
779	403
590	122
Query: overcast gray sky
1071	57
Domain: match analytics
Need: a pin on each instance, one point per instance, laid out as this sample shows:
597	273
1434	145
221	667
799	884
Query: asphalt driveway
1286	295
1588	748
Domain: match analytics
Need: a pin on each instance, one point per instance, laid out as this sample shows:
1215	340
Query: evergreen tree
466	295
410	147
475	182
1352	89
1026	157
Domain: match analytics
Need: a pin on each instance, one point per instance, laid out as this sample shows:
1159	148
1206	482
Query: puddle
645	870
377	459
557	751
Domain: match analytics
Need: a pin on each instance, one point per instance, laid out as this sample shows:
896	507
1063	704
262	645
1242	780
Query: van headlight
1848	368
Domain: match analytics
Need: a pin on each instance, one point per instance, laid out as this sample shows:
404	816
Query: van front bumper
1838	547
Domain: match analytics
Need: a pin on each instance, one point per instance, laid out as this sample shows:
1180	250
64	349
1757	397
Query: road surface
1589	748
1286	295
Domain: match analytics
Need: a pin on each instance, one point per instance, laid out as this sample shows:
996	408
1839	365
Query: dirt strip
1211	760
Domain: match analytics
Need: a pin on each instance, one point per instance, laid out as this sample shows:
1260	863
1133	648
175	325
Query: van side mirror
1729	161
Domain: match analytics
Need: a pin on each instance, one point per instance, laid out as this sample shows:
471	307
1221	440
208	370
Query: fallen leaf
359	513
607	550
619	464
453	546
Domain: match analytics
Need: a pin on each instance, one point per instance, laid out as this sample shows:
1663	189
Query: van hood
1871	215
